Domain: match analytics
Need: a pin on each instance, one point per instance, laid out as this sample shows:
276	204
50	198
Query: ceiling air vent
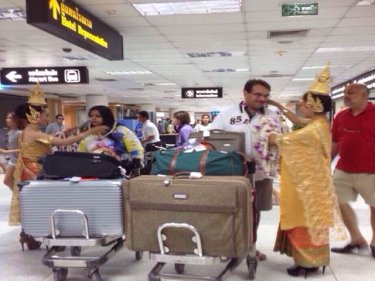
105	79
79	57
288	33
274	75
136	89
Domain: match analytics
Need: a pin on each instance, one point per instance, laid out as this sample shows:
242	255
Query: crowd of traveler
311	201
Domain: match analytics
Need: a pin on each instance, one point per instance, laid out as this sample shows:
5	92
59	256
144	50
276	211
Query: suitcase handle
82	214
196	238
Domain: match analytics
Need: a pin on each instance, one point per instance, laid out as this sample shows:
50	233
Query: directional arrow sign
70	22
54	6
44	75
13	76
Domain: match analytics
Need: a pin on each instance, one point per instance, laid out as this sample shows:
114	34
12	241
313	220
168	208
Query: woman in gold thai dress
33	145
307	199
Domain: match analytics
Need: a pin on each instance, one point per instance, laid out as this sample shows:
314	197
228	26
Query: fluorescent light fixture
12	14
346	49
193	7
165	84
323	66
313	67
303	79
365	2
129	72
227	70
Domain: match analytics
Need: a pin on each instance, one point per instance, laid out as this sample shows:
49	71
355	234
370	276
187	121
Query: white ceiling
159	44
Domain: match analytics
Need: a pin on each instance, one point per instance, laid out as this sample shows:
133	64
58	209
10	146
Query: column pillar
92	100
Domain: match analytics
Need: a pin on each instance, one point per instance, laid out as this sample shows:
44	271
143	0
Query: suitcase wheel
75	251
138	255
252	264
60	274
179	267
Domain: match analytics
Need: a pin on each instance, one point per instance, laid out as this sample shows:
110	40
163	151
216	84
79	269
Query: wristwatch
284	110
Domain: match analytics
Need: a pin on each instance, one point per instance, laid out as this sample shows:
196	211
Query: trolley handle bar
196	237
78	212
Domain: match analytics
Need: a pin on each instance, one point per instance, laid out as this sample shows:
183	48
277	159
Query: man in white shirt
250	116
150	133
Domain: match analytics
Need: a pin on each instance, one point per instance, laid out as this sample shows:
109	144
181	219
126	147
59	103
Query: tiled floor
16	265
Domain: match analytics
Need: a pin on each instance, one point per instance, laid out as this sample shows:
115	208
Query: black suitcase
63	164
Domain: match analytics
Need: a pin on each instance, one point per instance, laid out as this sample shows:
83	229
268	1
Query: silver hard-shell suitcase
100	200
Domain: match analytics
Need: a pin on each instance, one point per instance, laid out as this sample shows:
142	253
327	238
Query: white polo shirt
149	129
236	119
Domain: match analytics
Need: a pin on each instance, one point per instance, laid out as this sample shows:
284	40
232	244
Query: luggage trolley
198	258
60	264
223	141
75	215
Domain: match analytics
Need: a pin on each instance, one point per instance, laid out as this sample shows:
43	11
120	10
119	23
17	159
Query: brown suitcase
223	140
218	207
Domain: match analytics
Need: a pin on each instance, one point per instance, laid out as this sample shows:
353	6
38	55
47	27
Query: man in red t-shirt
353	134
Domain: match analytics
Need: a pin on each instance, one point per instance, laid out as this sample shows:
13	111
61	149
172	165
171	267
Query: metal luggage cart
61	264
180	260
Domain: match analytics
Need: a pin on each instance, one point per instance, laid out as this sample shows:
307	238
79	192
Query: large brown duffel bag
218	207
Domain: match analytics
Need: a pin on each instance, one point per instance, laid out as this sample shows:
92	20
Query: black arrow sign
44	75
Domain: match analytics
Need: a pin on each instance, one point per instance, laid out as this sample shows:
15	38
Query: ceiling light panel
137	72
12	14
188	8
365	2
346	49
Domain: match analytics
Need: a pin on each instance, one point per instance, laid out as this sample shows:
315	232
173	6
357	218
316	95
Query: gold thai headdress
319	87
36	98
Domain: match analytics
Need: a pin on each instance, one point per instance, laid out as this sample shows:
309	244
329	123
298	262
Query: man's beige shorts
349	185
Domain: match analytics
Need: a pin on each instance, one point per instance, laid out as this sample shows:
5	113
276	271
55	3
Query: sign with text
70	22
44	75
201	93
367	78
303	9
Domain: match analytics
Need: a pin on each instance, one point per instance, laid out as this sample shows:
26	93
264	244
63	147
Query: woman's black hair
105	113
23	109
325	99
109	121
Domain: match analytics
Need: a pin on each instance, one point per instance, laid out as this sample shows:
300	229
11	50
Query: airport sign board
44	75
367	78
68	21
299	9
201	93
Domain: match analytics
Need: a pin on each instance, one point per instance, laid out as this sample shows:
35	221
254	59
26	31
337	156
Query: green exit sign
292	10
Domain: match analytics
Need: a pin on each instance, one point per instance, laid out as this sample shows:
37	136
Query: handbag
207	162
